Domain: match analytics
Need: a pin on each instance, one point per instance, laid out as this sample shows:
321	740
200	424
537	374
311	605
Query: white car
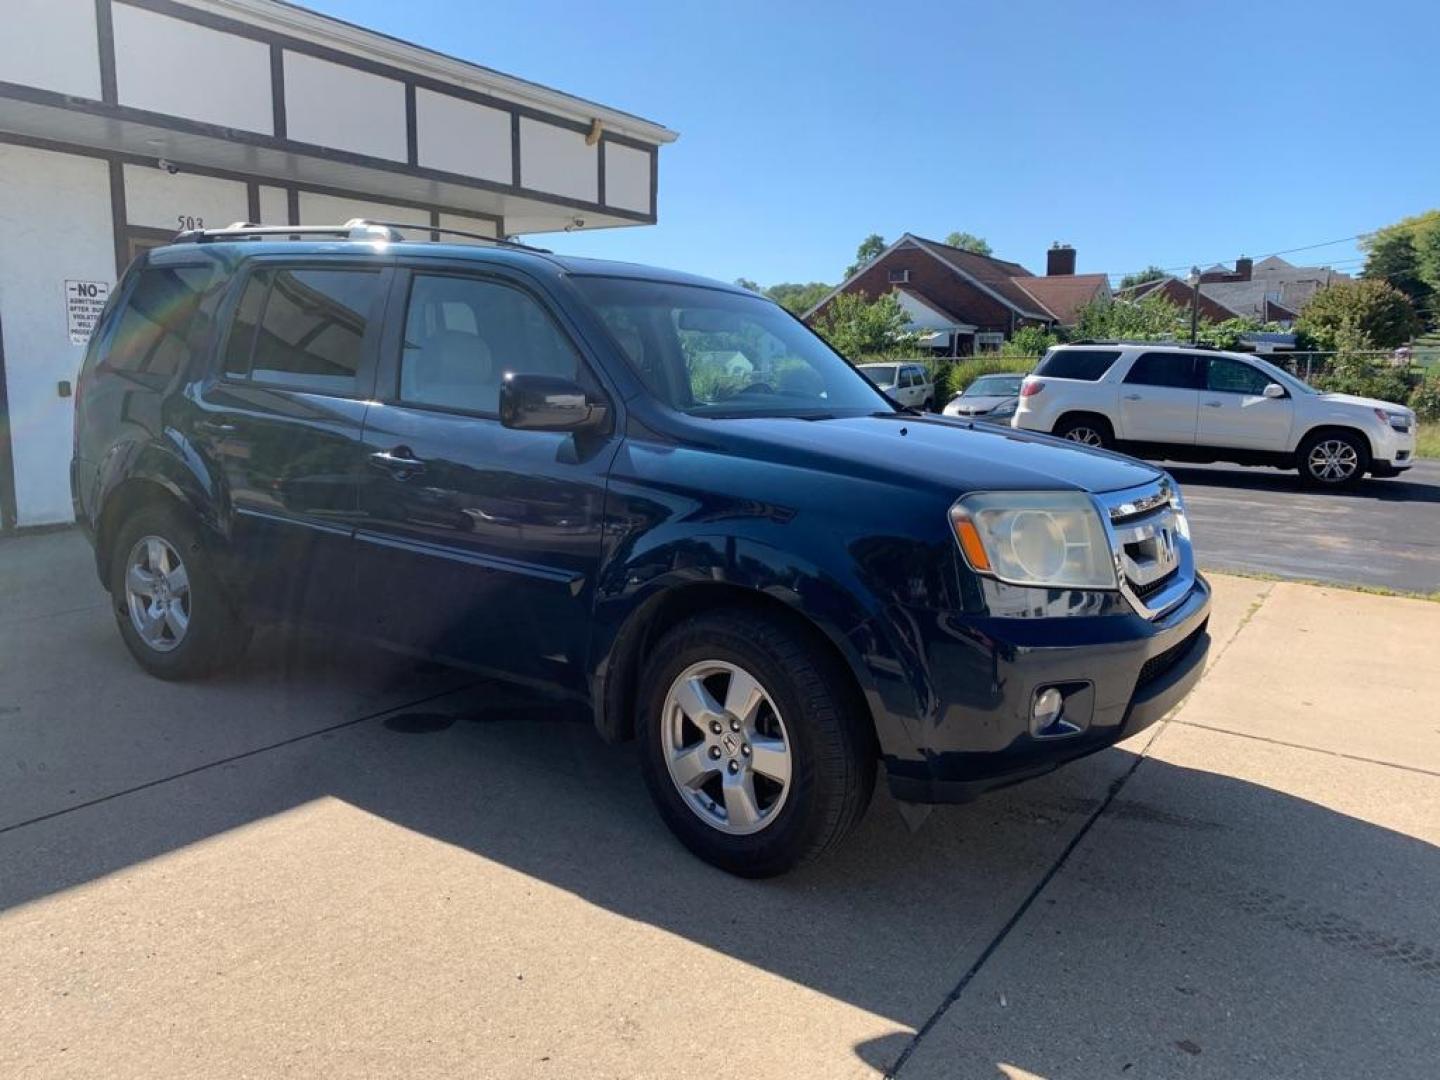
1187	404
908	384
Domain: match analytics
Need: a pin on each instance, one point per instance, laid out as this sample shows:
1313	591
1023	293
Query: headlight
1049	539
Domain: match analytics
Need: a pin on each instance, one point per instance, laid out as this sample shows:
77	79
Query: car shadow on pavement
1406	488
1217	874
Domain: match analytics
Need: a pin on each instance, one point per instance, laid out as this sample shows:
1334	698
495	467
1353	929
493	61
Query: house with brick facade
962	302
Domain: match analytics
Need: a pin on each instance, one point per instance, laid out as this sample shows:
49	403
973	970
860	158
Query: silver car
992	397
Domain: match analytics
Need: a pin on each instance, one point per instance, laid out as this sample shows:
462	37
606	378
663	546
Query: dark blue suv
658	495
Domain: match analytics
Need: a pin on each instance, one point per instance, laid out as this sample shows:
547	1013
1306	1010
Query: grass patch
1427	439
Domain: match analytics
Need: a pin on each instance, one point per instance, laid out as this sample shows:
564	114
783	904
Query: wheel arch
153	477
1083	414
1324	428
615	702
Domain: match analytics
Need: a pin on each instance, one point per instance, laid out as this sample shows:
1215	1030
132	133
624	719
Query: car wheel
1086	430
172	612
757	756
929	405
1333	459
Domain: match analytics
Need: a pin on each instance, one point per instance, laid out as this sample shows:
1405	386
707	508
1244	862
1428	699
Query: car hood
981	402
945	453
1364	402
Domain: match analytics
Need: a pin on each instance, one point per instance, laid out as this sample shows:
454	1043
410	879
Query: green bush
1351	373
1425	398
954	376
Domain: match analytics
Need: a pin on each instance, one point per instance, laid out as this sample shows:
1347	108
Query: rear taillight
1030	389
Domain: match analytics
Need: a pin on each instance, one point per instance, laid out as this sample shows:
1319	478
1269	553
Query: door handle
1212	404
215	427
1132	397
400	462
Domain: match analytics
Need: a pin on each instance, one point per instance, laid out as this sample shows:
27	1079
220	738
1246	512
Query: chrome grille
1150	541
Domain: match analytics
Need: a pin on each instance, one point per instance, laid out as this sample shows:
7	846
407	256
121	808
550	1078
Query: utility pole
1195	306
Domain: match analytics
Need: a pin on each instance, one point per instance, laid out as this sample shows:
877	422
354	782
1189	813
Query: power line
1286	251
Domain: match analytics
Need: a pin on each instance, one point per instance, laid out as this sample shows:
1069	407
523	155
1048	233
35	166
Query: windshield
882	375
721	354
994	386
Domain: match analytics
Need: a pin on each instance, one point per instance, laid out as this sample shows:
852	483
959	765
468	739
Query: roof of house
1063	295
996	276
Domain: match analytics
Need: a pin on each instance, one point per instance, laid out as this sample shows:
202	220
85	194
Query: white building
123	121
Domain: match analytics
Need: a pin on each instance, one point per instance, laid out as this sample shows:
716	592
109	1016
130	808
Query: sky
1139	133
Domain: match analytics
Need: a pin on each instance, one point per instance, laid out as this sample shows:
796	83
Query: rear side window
1086	364
152	334
302	328
1175	370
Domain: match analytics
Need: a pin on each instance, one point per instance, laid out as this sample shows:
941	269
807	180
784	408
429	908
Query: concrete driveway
332	863
1380	533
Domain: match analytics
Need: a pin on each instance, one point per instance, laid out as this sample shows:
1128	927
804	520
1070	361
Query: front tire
1333	459
170	606
754	750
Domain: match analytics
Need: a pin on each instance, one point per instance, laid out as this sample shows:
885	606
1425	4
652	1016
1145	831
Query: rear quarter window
1085	364
152	331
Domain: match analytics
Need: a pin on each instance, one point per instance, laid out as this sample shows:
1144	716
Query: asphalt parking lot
332	862
1383	533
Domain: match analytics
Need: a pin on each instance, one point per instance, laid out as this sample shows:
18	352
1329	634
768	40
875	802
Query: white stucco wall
159	200
170	66
330	105
328	210
462	137
556	160
469	224
627	178
55	217
274	207
51	44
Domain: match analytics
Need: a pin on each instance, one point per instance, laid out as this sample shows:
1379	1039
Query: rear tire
1333	459
1087	431
169	604
803	707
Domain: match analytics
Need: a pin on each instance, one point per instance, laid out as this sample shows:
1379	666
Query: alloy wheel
726	747
157	593
1333	461
1085	435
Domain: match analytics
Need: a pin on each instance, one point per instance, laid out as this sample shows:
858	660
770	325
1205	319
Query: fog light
1047	715
1048	704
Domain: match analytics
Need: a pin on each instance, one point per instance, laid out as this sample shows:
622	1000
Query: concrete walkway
336	865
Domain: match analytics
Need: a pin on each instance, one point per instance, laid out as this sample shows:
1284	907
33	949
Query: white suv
909	384
1187	404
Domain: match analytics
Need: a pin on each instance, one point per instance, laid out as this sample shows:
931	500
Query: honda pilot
650	493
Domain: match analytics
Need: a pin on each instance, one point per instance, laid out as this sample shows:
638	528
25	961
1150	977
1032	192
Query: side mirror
1274	390
548	403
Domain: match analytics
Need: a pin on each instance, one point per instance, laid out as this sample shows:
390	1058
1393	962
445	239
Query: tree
1028	341
856	326
1407	256
969	242
1150	273
871	246
746	283
1151	318
796	297
1357	315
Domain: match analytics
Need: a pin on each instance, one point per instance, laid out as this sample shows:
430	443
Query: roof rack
360	229
1143	341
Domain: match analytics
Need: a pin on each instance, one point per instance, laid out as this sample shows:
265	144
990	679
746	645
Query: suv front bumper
1128	673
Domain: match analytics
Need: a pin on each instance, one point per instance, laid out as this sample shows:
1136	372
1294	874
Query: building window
899	277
